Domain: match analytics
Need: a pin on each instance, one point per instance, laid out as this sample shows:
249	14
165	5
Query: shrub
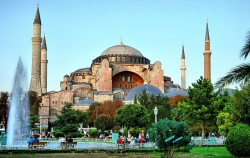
93	133
238	140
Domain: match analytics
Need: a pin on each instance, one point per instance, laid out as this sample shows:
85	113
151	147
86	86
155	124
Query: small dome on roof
150	89
66	76
121	49
176	92
87	69
85	102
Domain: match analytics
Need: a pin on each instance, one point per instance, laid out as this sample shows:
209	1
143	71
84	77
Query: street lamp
155	112
41	117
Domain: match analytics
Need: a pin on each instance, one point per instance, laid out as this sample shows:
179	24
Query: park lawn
204	152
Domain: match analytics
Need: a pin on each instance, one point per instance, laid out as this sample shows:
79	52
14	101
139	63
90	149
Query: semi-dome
176	92
121	50
85	102
150	89
87	69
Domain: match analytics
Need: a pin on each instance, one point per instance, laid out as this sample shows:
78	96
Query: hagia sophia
119	72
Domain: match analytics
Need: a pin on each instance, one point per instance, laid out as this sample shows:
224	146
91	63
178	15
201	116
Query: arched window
89	95
120	85
126	85
52	112
83	93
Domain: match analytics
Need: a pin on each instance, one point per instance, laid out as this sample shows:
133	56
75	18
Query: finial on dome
37	5
121	42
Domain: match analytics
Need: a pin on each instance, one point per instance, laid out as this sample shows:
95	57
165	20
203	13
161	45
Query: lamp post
41	117
155	112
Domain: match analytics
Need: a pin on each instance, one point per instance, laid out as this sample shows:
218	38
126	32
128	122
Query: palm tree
241	73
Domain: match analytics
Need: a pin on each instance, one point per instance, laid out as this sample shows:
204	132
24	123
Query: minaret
35	82
183	69
44	63
207	55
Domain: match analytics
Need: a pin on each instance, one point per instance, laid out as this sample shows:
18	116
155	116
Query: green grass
204	152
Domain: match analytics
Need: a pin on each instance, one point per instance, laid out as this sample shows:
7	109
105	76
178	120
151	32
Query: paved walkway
22	145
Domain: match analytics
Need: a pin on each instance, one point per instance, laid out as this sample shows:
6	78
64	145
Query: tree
144	99
83	117
94	111
34	102
240	109
224	122
132	115
67	123
151	101
4	101
161	101
108	108
165	129
202	105
176	99
239	74
104	123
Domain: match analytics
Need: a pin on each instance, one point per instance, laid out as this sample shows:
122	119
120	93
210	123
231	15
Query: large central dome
121	50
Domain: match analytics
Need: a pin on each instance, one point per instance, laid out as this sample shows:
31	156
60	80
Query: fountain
18	119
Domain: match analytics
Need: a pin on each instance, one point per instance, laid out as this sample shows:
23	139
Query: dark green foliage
162	114
125	131
135	99
93	133
83	118
241	105
116	129
104	123
132	115
67	123
4	100
144	99
134	131
151	101
164	129
238	140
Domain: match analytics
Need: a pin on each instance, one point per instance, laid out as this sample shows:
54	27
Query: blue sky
78	31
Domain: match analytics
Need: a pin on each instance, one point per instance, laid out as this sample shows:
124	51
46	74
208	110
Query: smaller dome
87	69
150	89
85	102
122	50
66	76
176	92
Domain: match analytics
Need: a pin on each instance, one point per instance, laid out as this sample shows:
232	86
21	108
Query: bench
68	145
37	145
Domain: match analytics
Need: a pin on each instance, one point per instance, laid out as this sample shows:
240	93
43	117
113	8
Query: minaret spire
183	69
44	45
207	55
207	33
44	63
37	19
35	82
